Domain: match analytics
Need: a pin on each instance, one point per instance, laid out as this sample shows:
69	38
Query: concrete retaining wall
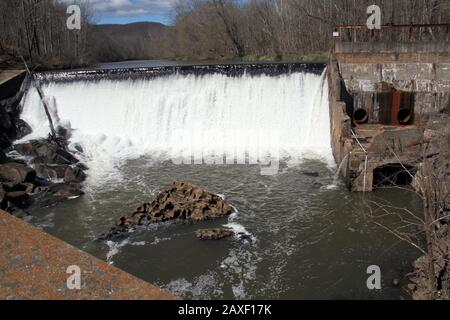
392	47
33	265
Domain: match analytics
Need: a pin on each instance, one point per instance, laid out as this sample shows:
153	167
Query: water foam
117	120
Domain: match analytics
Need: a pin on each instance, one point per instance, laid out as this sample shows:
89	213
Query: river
309	238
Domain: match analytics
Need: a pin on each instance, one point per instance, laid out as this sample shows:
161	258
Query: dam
175	115
129	126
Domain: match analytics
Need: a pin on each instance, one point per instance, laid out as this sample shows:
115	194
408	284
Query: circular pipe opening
360	116
404	116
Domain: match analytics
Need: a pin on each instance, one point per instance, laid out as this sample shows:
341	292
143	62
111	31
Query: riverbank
431	278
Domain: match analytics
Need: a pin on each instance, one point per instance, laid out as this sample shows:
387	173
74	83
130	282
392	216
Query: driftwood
41	96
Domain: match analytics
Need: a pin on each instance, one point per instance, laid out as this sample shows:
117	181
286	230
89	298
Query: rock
30	188
19	199
16	173
3	157
213	234
22	129
46	152
245	237
56	193
311	174
2	194
5	121
65	191
16	212
13	187
51	171
82	166
5	141
74	175
77	148
62	132
183	203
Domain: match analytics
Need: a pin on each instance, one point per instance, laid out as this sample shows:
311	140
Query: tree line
282	28
210	30
37	30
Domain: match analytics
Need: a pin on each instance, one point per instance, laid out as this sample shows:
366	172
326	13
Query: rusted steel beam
392	26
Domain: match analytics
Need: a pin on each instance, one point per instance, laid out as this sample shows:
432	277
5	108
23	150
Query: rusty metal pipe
360	116
404	116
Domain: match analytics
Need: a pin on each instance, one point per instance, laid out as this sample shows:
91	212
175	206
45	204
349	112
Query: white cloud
124	8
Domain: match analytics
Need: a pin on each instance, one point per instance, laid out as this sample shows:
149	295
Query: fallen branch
41	96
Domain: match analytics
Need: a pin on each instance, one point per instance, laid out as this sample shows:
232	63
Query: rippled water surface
310	240
310	237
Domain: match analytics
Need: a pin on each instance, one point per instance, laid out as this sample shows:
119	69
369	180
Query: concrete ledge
392	47
33	265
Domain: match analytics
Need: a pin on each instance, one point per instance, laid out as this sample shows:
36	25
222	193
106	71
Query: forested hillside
206	29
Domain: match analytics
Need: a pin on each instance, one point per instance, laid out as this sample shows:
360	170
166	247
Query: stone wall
340	121
392	47
429	82
369	72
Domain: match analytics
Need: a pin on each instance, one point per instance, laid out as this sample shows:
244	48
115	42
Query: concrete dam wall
384	95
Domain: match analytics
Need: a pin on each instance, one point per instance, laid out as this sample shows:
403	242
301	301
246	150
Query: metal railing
442	27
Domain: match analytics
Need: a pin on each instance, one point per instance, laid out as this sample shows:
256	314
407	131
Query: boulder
55	194
22	129
63	191
18	199
74	174
16	173
2	193
18	213
313	174
3	157
51	171
5	141
183	202
46	152
213	234
13	187
5	121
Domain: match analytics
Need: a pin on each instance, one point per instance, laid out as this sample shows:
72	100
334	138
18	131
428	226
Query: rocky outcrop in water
214	234
49	152
23	185
183	202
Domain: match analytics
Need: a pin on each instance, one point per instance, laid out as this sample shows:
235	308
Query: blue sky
127	11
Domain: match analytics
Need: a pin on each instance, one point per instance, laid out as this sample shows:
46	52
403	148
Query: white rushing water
176	115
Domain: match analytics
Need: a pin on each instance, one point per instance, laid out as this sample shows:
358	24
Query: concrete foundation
383	79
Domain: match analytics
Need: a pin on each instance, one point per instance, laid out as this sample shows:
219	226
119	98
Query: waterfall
117	120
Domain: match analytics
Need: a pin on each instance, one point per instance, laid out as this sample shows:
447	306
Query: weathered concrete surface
340	125
410	77
385	145
392	47
370	72
33	266
420	68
